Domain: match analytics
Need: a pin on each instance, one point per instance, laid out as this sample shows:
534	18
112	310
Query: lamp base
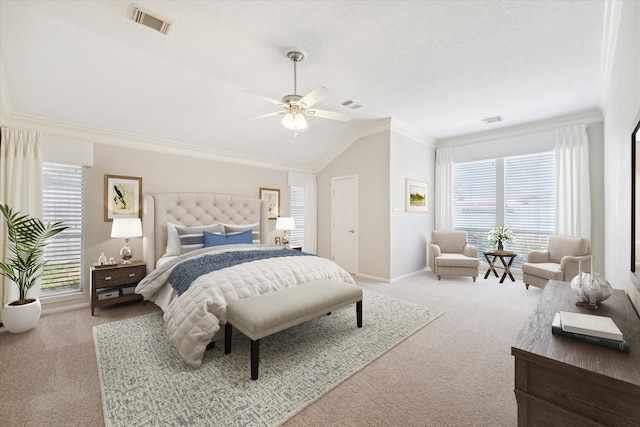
285	238
126	253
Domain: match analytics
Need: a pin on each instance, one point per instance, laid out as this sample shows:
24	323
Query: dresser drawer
118	276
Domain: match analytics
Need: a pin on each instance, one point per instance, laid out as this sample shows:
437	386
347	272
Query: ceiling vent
351	104
490	119
150	20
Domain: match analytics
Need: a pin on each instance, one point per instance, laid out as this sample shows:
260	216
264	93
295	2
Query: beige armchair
559	262
451	255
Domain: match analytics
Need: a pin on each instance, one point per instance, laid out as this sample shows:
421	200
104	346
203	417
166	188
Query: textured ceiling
435	67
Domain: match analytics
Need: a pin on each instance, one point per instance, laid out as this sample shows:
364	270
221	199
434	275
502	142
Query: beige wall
409	231
621	107
160	173
368	158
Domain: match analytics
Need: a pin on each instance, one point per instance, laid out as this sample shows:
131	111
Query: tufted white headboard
191	209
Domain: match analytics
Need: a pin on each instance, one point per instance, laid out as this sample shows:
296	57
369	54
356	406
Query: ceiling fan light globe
294	122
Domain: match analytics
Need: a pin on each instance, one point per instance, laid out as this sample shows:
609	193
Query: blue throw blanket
187	271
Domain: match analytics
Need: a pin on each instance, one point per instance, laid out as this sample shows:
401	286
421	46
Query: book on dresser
590	324
557	328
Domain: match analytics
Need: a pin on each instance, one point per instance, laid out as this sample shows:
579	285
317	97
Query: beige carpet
456	372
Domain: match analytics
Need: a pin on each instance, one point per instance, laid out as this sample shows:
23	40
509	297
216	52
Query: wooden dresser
560	381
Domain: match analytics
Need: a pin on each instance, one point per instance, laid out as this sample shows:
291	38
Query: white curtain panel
573	199
20	188
444	162
308	181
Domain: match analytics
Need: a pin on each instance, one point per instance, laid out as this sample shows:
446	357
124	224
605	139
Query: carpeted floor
458	371
144	381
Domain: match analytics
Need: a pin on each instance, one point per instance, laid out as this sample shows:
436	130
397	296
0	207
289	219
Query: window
62	199
297	213
474	200
518	192
529	201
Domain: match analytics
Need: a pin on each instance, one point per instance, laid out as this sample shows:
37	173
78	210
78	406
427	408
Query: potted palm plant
28	237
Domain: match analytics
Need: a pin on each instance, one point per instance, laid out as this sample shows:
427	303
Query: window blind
296	237
474	200
529	199
62	200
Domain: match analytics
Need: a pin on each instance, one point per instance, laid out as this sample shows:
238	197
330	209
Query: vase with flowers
500	235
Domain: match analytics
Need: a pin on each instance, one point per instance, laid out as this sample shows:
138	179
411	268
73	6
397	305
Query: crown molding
411	133
122	139
585	117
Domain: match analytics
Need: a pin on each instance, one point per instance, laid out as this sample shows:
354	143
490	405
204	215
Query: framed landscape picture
417	196
272	197
122	197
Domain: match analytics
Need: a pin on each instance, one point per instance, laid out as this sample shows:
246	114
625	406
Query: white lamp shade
285	223
126	227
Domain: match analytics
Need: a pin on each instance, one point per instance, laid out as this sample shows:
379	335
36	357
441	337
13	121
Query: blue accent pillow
211	239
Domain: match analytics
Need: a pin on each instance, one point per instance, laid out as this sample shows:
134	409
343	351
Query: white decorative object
102	259
591	289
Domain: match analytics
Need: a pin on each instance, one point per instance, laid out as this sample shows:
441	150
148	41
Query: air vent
150	20
490	119
351	104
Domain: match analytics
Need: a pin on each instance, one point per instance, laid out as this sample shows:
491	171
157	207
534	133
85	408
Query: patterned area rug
144	382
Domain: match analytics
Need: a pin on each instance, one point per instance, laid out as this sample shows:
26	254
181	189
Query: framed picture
272	197
417	196
278	240
122	197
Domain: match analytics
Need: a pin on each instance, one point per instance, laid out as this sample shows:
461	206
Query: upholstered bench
262	315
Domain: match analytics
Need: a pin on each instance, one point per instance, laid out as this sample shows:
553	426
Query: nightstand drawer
118	276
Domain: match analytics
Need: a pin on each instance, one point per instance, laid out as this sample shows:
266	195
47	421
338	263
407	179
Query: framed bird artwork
122	197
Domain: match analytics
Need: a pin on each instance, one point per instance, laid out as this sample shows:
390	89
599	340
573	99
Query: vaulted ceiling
434	67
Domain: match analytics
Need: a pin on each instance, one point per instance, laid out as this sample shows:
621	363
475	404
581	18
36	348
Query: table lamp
286	224
126	228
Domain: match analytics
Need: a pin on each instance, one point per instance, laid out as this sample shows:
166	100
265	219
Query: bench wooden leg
255	357
227	338
359	313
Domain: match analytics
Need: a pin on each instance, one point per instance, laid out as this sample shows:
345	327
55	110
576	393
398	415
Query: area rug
144	382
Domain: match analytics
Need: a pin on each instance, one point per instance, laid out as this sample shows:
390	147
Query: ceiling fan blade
265	98
315	96
333	115
261	116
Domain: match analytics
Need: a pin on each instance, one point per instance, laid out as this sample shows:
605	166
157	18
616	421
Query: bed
205	250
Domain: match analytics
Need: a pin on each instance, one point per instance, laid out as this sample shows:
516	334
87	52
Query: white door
344	215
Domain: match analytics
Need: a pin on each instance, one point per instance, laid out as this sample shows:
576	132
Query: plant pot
18	318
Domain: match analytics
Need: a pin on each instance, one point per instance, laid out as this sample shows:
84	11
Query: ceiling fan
295	107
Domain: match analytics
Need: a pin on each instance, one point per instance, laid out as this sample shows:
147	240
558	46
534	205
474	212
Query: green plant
28	237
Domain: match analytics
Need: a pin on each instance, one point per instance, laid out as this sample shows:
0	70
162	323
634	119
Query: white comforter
194	317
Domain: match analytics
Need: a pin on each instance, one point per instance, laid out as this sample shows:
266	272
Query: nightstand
114	283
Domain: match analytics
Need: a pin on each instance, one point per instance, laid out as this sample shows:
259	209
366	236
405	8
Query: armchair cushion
456	260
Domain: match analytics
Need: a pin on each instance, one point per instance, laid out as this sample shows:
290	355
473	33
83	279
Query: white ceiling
434	67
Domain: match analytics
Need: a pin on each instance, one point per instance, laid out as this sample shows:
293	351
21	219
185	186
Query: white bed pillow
173	239
192	238
230	229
